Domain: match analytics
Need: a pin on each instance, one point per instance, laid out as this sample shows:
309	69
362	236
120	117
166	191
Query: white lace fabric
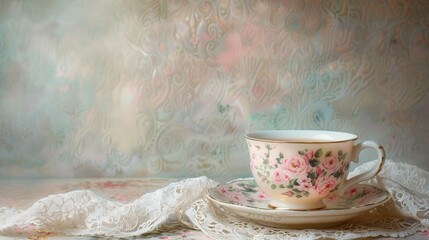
84	213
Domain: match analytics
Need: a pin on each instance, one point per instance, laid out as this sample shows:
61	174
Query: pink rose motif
325	185
109	184
222	190
295	165
261	195
331	198
425	233
237	197
351	192
309	155
330	164
305	184
319	171
27	228
279	177
288	193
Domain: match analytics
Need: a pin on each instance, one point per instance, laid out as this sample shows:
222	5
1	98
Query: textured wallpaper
168	88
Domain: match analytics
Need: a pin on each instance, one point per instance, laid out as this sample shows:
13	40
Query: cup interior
300	136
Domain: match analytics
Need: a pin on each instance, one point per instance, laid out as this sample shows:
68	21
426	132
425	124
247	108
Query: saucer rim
322	210
295	213
294	219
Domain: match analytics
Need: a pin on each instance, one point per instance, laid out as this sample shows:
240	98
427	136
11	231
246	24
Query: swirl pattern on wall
168	88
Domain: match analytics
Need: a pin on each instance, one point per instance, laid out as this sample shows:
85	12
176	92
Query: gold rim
300	142
321	210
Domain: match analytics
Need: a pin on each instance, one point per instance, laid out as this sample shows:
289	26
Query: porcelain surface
244	198
299	175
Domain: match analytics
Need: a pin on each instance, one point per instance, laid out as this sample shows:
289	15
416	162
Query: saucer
244	198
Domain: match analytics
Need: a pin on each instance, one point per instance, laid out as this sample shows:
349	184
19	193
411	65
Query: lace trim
86	213
219	223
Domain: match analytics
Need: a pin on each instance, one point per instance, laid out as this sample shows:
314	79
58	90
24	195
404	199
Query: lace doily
86	213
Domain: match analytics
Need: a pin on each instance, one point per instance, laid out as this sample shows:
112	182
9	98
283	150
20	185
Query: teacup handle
370	173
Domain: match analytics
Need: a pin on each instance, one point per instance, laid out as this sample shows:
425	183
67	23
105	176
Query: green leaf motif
251	184
328	154
312	175
281	155
318	153
252	190
338	174
296	190
269	147
314	162
273	186
302	153
294	182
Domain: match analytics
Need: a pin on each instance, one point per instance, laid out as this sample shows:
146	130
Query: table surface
21	193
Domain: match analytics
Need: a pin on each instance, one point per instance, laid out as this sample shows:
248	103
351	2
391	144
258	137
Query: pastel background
168	88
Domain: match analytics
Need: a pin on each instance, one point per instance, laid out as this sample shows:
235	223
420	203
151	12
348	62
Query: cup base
273	204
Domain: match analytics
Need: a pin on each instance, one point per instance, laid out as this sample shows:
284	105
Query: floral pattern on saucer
246	193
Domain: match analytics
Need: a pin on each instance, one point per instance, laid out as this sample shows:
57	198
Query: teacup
298	168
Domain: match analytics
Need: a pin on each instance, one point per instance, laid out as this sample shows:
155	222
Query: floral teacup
298	168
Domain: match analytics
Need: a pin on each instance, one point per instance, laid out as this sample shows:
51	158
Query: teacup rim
251	136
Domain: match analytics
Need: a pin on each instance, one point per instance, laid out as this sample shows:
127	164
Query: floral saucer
244	198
